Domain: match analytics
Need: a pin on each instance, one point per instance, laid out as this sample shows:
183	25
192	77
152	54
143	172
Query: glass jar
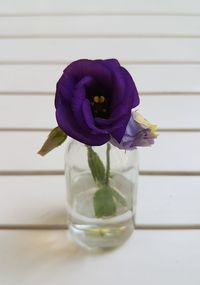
101	194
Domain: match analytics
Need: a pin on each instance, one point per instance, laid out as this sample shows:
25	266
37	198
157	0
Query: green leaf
96	166
119	197
55	138
104	204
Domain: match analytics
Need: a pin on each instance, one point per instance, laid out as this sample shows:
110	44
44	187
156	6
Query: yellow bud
141	120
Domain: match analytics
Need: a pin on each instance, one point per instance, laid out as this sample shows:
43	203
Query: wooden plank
38	111
168	200
95	26
175	112
172	152
18	150
90	7
27	111
40	200
32	200
148	78
127	49
50	257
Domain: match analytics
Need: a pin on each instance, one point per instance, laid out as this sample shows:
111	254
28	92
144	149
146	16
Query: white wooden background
159	43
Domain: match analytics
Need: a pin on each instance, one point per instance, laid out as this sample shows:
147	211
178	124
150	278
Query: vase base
102	236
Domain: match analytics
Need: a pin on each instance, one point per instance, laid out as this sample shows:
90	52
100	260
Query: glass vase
101	194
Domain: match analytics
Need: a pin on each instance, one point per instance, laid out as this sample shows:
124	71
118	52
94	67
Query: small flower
141	120
94	99
139	132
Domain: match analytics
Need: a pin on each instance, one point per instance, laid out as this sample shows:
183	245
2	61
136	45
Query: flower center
100	106
99	101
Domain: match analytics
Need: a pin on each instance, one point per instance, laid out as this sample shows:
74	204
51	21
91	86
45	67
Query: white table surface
159	43
50	257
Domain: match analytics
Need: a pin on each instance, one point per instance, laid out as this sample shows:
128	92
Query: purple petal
119	133
64	90
89	119
118	83
132	95
84	79
67	123
85	67
77	100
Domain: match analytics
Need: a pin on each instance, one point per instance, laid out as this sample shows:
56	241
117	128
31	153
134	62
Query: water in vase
104	232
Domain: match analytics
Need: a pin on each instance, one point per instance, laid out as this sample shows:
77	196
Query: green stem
107	163
104	198
96	166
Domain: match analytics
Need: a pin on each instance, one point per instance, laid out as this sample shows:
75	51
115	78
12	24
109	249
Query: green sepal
104	204
96	166
55	138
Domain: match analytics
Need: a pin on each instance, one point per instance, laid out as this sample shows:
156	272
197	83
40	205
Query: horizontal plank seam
135	62
169	173
65	227
61	172
182	130
31	172
150	93
179	130
100	13
162	130
33	227
168	227
96	36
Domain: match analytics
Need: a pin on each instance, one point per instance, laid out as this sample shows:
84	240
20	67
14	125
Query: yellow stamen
102	99
96	99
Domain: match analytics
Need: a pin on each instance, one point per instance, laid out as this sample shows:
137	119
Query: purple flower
94	99
139	132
